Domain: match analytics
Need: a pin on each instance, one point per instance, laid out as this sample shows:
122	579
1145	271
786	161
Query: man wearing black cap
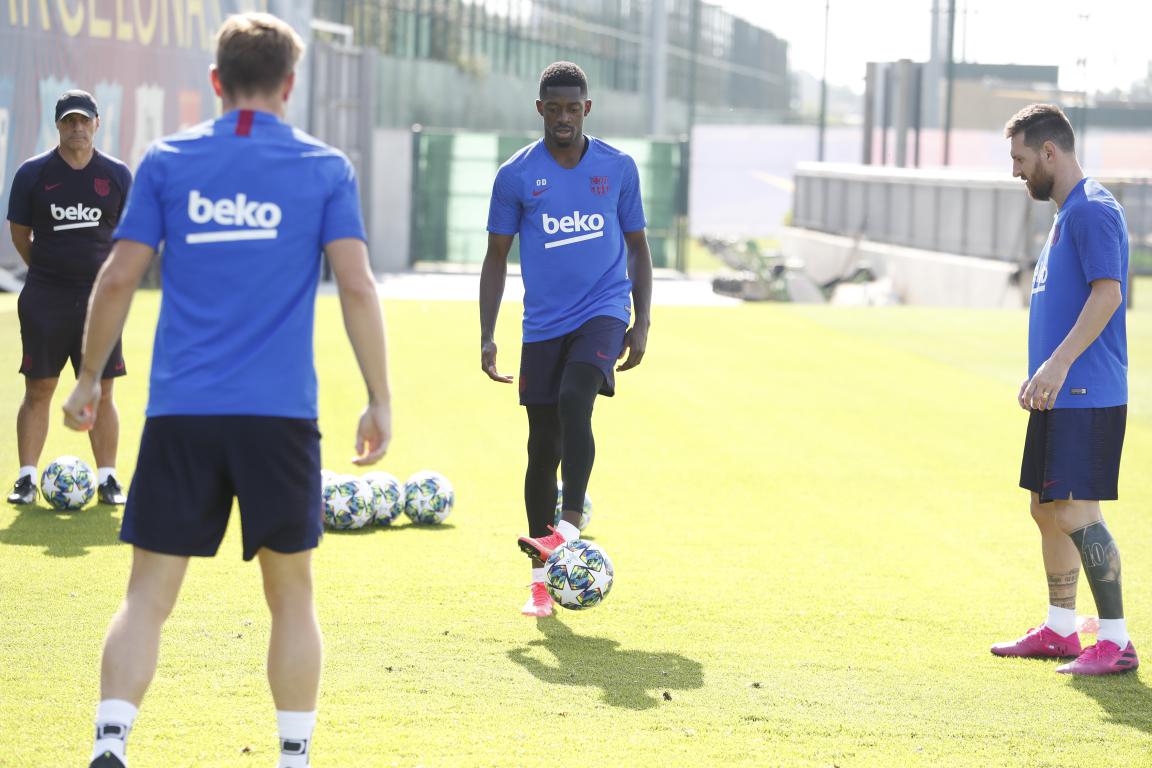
64	205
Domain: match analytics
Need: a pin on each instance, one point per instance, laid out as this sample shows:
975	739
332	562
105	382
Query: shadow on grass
371	529
63	534
1125	699
627	679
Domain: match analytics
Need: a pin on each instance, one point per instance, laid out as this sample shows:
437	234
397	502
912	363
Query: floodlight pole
951	76
823	91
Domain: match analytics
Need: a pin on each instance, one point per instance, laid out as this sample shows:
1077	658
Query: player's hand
1020	396
488	363
80	407
1039	393
373	434
635	342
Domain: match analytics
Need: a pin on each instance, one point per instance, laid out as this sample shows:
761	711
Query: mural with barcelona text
145	61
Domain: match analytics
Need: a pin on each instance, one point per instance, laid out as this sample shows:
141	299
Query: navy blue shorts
52	331
1074	453
191	467
597	342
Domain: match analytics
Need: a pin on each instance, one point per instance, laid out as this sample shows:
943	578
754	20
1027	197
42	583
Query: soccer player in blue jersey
1076	394
574	200
62	210
244	206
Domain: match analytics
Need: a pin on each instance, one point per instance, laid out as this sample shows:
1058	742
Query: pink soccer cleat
539	602
1040	643
1104	658
542	547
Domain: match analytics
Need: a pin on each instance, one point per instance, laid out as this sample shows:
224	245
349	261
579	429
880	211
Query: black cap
79	102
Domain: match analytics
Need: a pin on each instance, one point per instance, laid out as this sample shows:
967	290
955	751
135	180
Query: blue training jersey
244	206
72	214
1088	241
571	223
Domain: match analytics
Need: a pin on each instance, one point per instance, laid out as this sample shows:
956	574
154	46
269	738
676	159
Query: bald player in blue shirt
574	201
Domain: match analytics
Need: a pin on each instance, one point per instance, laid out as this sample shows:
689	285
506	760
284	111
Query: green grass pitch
816	529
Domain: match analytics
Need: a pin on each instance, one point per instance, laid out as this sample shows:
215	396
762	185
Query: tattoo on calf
1062	588
1101	560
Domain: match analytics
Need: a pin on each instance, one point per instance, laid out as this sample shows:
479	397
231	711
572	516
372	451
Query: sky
1110	36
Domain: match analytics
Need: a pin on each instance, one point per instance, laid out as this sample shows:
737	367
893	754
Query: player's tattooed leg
1101	560
1062	588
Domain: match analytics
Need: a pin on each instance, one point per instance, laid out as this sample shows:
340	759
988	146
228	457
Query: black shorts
52	330
1074	453
597	342
191	467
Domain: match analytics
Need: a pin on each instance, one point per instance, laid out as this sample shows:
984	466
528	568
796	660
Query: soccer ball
387	497
578	575
585	514
428	497
68	483
347	503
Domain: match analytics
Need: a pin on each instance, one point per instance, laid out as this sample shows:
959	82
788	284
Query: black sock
543	458
578	388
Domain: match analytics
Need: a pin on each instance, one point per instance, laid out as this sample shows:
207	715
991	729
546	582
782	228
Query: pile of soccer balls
378	498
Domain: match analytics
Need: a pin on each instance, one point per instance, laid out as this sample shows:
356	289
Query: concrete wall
917	276
390	220
436	94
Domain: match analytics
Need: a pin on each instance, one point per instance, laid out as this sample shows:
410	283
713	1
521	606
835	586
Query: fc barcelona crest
103	186
599	184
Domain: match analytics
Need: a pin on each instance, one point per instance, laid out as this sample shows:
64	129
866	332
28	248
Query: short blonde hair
255	53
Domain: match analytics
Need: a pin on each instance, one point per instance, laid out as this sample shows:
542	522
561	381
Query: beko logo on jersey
82	215
592	224
257	220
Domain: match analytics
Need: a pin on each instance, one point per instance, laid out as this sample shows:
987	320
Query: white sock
537	575
567	530
103	473
1115	630
114	718
295	737
29	471
1062	621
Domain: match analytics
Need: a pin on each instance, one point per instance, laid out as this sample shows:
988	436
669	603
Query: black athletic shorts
52	330
1074	453
191	467
597	342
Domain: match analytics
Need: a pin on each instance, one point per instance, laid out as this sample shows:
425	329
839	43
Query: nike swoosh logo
1050	483
50	187
602	356
538	192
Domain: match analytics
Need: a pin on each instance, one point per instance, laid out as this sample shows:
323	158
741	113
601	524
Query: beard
1040	188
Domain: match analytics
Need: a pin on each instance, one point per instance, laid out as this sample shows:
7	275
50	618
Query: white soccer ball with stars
585	513
347	503
387	497
428	497
578	575
68	483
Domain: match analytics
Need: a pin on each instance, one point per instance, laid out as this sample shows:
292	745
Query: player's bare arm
1039	393
492	277
107	312
364	322
22	241
640	273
